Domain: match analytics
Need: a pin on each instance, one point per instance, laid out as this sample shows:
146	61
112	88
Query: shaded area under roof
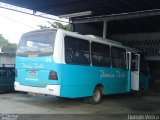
140	24
99	7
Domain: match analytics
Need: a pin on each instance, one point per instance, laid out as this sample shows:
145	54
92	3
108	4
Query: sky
14	24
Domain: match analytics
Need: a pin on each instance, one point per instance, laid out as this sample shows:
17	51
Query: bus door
135	71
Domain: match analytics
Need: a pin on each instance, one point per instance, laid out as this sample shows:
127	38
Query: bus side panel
80	81
115	80
76	91
76	81
144	79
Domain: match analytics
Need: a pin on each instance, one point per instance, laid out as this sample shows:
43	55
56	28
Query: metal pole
104	29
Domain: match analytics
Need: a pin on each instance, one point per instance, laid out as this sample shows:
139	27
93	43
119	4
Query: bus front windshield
36	43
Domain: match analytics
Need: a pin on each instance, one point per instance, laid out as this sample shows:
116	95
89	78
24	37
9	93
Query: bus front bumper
48	90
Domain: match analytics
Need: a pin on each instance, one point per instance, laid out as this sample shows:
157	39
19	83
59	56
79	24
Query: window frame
125	65
104	55
88	52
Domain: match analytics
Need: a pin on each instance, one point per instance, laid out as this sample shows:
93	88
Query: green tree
43	26
3	41
57	25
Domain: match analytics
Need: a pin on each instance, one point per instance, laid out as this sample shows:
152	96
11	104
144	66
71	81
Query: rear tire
96	98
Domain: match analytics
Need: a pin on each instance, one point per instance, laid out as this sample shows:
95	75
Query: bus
7	77
70	65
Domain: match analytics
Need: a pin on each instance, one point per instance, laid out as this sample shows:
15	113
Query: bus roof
91	38
41	30
98	39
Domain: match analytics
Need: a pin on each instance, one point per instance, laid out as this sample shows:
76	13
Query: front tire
97	96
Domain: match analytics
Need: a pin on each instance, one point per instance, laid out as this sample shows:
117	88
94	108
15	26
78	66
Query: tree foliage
43	26
3	41
56	25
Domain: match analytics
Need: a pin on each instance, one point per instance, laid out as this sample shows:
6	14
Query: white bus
66	64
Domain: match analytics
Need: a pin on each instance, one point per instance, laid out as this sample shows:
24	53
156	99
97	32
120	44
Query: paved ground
18	103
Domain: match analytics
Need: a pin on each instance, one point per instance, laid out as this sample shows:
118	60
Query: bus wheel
97	96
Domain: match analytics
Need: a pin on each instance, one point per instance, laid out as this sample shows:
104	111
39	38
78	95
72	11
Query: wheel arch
101	86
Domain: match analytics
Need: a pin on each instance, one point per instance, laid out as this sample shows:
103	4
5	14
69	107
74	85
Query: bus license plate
32	73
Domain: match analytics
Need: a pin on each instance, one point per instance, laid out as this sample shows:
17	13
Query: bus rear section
36	69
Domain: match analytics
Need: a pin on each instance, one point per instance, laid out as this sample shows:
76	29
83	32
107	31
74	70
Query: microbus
67	64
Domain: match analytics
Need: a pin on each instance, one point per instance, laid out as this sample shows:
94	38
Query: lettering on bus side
117	74
34	66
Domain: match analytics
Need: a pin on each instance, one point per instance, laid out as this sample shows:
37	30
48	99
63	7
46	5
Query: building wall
89	28
149	43
9	49
7	58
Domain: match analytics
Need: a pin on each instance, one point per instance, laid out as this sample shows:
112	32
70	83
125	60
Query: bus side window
118	57
100	55
82	59
80	51
68	56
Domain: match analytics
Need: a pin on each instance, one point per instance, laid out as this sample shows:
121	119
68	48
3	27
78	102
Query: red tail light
53	75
